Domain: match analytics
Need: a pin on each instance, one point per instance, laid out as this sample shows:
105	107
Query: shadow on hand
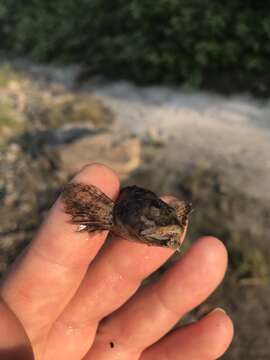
18	353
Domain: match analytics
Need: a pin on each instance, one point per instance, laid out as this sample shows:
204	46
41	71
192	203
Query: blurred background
174	95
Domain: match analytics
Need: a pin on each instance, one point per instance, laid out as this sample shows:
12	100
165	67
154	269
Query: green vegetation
10	120
7	74
6	119
196	42
23	106
74	109
8	123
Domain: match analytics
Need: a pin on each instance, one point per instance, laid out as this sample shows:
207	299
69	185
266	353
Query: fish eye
164	242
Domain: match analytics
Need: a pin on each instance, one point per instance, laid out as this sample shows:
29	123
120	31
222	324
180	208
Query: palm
61	300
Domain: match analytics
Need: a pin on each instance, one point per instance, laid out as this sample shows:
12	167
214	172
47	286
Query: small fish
137	215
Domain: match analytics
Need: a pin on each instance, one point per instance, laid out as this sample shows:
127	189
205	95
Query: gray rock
115	150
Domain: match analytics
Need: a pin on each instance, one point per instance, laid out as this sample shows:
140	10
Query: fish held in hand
137	214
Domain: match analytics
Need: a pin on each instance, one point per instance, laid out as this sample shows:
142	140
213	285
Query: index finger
46	276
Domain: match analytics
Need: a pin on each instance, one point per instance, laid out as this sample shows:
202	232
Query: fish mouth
165	233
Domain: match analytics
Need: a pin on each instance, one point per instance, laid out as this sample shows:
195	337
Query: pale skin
65	299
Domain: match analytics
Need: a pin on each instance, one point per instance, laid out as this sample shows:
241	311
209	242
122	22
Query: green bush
197	42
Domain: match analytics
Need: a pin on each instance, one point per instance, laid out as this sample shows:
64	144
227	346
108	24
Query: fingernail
218	309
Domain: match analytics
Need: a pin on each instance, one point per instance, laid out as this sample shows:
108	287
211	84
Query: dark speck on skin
111	344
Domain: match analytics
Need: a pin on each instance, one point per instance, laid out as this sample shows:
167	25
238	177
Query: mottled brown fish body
137	215
140	215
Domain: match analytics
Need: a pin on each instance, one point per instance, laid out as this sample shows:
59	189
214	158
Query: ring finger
206	339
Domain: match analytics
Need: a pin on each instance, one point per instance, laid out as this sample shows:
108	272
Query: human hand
76	302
